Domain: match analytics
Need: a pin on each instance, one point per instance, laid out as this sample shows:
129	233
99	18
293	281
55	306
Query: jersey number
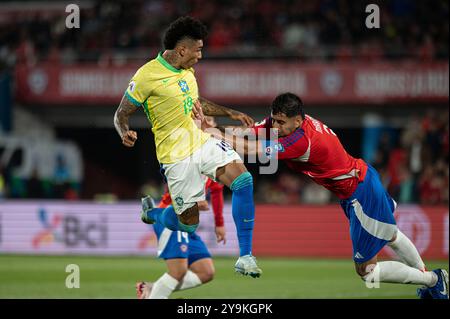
318	126
181	235
187	105
328	130
224	146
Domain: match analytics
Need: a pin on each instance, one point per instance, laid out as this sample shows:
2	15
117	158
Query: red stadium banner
247	82
323	231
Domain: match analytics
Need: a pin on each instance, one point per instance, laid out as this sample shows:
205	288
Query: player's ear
298	120
181	50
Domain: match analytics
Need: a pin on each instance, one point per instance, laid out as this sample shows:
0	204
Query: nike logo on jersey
165	81
248	220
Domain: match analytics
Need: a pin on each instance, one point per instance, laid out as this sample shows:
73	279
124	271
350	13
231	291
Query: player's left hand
221	234
244	118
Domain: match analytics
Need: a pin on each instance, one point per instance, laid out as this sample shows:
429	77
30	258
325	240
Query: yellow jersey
167	95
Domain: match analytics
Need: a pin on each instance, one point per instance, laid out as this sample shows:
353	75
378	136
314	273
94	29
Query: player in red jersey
309	147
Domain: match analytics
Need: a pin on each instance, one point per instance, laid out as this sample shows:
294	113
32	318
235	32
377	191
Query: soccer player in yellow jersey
167	91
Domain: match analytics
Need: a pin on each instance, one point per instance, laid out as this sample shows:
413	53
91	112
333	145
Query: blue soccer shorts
370	211
178	244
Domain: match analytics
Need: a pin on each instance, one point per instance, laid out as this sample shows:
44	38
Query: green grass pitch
115	277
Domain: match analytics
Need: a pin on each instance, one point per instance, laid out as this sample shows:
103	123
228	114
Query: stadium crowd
413	166
58	186
416	167
319	29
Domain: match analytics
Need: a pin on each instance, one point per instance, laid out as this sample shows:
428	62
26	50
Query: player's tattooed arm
121	117
213	109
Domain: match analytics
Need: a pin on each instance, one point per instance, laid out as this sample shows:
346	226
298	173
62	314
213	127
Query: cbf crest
179	201
183	86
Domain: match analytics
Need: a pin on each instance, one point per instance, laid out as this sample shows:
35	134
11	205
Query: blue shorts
370	211
178	244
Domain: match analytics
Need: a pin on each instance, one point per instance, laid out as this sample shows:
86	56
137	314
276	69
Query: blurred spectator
417	170
315	194
426	51
433	126
406	186
220	37
152	188
34	186
267	192
17	187
383	152
2	183
397	163
297	35
289	185
70	192
413	29
61	177
385	178
431	187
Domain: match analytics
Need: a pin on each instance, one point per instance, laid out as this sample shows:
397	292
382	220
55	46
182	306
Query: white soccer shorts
185	178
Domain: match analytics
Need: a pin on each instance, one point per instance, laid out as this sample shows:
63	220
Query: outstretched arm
239	131
238	142
123	112
213	109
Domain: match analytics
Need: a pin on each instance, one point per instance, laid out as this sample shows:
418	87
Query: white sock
190	280
405	249
163	287
396	272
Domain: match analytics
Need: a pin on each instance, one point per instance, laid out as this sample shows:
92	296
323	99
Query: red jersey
216	192
315	150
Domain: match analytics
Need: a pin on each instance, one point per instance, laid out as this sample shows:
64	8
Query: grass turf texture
115	277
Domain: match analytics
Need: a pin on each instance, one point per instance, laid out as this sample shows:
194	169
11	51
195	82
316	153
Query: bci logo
71	230
94	234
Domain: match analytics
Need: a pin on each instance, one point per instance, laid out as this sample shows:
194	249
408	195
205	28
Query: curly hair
181	28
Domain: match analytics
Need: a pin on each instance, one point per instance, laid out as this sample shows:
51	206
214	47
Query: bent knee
207	275
210	274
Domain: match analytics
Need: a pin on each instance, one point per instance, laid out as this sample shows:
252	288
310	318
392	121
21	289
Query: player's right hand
221	234
244	118
129	138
